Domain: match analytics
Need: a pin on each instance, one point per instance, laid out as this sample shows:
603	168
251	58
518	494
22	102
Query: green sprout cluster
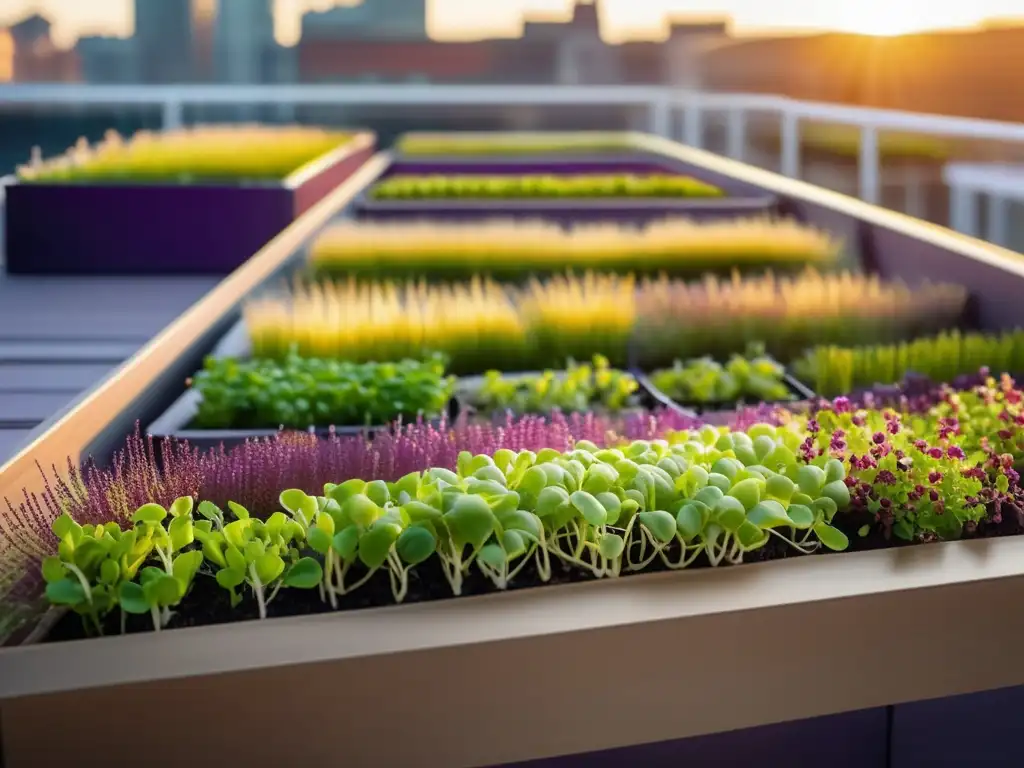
579	387
300	392
755	377
715	493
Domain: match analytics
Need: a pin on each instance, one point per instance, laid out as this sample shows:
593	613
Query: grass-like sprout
788	314
512	251
230	153
834	370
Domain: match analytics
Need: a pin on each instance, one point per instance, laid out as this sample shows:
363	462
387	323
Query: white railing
663	105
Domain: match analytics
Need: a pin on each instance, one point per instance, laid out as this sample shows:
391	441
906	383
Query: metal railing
662	103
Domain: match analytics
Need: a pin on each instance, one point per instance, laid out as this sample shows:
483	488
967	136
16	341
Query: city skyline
473	19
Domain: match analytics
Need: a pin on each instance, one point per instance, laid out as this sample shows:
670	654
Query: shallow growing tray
740	200
147	229
801	392
174	422
648	398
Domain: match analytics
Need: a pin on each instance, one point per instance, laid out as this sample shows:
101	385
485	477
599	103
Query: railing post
963	210
998	220
869	165
693	124
790	161
736	133
174	116
660	117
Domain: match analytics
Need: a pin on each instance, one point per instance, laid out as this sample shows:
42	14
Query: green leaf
377	492
802	516
864	530
341	493
690	520
748	492
493	555
470	521
729	513
235	558
237	533
213	550
164	591
182	506
611	545
185	567
53	569
306	573
268	567
835	471
66	591
838	493
89	554
181	532
661	524
769	514
551	501
417	511
376	543
415	545
612	506
780	488
149	513
360	509
346	543
521	520
514	543
132	598
591	509
110	571
64	526
229	578
831	537
810	479
240	512
210	511
318	540
751	536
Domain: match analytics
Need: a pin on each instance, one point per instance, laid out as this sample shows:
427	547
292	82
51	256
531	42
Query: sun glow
882	18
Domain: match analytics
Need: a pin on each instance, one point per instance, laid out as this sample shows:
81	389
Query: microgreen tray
645	399
176	422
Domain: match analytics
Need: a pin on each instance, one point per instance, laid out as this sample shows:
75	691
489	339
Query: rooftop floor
59	336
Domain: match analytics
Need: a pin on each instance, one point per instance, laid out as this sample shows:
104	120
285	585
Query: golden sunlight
882	18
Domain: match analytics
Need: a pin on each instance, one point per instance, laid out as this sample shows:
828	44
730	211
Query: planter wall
174	422
741	200
79	229
851	740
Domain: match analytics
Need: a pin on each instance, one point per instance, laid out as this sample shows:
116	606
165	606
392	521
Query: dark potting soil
207	603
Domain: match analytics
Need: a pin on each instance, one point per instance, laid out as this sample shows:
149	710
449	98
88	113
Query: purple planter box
741	199
202	229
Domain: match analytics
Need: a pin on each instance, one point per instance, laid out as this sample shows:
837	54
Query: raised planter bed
144	229
711	630
740	200
175	423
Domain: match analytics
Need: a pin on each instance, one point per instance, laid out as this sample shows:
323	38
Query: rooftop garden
540	406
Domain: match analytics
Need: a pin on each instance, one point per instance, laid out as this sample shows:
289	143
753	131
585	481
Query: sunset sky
480	18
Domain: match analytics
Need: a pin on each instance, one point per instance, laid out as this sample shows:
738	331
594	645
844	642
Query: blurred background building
973	73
